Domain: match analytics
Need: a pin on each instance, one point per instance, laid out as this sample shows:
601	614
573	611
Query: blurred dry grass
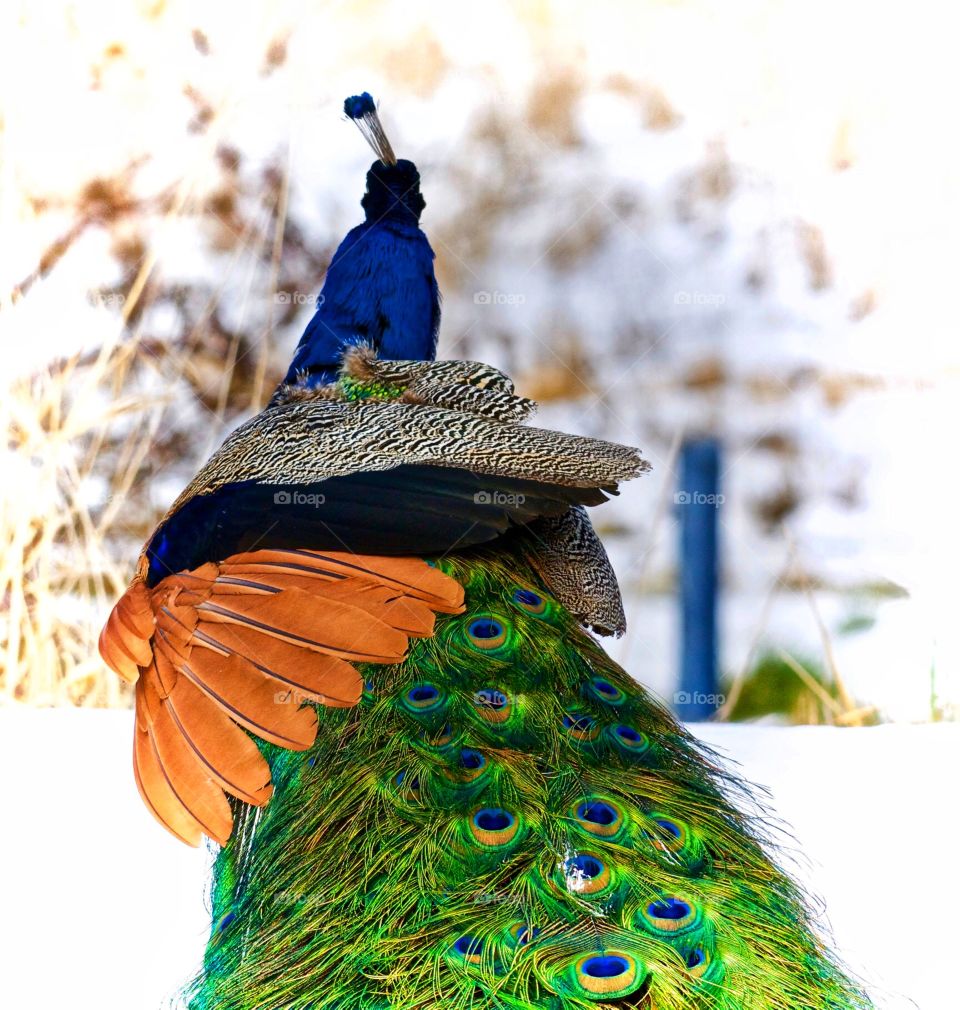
58	575
87	438
95	441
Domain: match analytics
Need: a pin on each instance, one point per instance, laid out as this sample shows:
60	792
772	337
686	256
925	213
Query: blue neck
380	287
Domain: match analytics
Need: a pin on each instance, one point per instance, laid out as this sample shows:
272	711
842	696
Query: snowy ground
103	910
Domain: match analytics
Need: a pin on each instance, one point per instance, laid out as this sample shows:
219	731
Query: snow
104	910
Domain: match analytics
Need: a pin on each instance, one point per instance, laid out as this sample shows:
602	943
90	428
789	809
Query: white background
103	910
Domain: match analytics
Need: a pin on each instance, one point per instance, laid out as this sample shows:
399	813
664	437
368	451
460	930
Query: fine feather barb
568	555
131	623
410	616
116	657
363	111
361	362
492	403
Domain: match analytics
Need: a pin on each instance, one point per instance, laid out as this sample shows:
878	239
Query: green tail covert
506	820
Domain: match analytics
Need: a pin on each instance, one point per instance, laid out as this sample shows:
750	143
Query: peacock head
393	186
393	191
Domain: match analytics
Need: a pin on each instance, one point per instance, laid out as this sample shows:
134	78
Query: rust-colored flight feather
242	645
231	758
194	788
336	628
156	791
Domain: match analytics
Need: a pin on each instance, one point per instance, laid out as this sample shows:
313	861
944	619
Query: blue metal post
698	500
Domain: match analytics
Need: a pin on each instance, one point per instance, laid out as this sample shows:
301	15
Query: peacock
365	648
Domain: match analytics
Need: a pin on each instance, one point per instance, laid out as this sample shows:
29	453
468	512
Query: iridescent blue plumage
380	287
358	106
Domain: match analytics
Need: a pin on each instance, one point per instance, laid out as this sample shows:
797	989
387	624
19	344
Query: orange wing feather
242	644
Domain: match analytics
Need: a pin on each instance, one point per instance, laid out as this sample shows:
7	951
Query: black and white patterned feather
405	458
568	555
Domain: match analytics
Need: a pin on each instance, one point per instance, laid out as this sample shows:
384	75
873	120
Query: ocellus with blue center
430	786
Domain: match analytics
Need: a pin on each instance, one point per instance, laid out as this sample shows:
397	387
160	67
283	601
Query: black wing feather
410	509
